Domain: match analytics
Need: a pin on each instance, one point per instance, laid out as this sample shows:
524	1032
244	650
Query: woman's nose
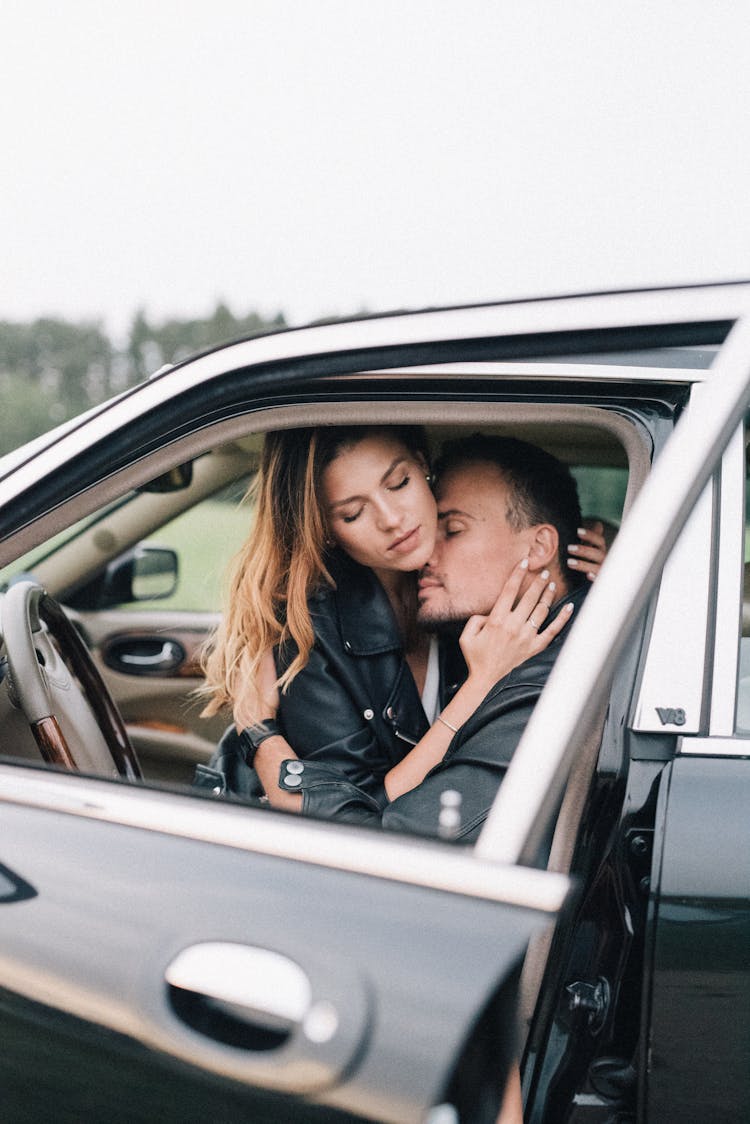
387	515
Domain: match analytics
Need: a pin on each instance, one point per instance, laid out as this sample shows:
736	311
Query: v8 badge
671	716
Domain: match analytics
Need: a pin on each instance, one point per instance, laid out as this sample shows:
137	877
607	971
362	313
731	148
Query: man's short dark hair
542	488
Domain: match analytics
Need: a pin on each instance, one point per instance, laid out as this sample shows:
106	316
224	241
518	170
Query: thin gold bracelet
454	729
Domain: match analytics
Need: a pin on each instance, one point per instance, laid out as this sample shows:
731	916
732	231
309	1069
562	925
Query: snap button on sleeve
291	777
369	714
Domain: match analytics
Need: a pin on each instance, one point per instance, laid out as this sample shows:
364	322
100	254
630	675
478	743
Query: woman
344	518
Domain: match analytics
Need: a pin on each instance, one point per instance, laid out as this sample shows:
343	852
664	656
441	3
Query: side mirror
154	573
176	480
145	573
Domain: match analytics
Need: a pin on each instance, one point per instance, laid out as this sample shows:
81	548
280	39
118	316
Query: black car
169	956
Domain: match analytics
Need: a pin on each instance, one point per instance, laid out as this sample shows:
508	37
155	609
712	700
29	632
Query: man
500	500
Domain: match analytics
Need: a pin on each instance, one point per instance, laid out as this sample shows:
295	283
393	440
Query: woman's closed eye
395	486
401	484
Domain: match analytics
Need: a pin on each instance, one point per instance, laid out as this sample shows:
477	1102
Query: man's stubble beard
448	622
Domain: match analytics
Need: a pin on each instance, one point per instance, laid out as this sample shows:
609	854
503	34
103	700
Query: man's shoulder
521	687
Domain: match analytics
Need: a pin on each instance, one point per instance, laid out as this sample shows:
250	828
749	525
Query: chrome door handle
259	987
170	655
263	1017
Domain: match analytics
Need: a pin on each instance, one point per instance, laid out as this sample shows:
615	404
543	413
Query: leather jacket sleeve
327	794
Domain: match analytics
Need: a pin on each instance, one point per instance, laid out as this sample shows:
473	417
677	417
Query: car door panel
700	917
160	711
93	1074
398	974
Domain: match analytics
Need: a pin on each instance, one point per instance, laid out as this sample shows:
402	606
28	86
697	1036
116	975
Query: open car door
164	956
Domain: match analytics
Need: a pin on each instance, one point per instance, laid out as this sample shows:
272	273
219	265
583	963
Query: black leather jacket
355	705
474	764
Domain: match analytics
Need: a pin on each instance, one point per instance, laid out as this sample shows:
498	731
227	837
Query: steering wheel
55	682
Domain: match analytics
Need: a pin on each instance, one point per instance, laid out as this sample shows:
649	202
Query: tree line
52	369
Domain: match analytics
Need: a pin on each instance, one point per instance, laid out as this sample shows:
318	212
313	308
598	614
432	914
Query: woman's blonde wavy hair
283	561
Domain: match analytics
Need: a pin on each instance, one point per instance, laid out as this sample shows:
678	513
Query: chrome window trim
529	795
564	314
714	747
674	668
728	598
396	858
547	371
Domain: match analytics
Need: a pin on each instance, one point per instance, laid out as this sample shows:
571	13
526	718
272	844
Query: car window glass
601	489
205	538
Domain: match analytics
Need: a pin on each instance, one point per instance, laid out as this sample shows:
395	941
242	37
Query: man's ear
543	547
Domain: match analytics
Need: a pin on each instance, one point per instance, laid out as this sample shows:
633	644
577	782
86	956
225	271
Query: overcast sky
323	156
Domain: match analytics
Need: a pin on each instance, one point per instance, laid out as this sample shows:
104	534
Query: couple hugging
390	625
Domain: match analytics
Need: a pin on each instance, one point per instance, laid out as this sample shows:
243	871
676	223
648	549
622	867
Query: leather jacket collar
364	601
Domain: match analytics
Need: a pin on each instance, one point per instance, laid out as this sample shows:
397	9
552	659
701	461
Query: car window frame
730	549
